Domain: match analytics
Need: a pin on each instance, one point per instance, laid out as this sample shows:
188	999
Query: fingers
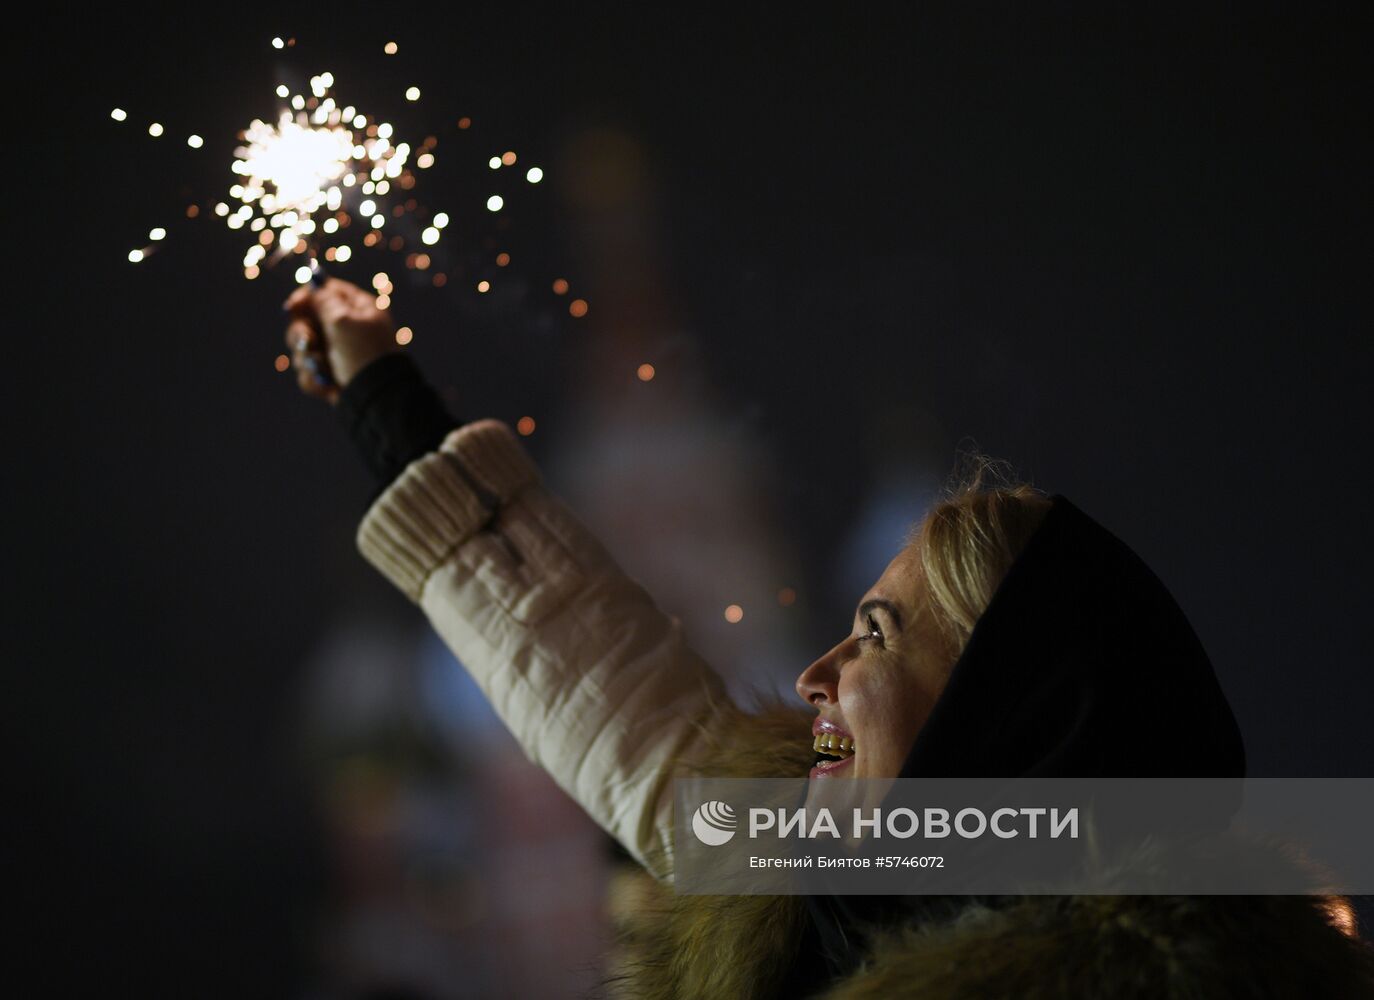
331	303
349	292
333	308
300	335
309	361
308	299
312	376
309	384
298	299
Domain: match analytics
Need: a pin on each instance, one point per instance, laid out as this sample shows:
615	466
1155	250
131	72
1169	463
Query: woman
1011	637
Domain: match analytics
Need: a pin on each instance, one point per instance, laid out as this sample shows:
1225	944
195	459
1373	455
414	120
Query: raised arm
595	682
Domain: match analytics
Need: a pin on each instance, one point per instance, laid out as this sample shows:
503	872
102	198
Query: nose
819	684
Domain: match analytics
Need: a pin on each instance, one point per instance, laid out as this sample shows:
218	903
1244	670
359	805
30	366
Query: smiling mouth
832	747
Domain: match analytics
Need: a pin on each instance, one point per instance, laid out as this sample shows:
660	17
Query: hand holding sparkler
335	331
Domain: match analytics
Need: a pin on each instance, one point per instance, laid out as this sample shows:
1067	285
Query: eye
872	632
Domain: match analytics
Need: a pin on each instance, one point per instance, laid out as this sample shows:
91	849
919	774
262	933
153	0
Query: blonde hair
970	537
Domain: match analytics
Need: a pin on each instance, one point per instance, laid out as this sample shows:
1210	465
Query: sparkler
297	172
320	180
306	177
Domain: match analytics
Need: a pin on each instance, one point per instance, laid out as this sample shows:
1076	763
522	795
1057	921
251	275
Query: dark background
1129	254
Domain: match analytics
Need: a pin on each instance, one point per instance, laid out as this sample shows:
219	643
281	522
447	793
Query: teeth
833	744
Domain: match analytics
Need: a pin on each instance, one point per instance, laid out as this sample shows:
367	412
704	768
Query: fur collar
1032	948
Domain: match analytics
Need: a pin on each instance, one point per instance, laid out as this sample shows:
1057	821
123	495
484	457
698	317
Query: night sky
1130	256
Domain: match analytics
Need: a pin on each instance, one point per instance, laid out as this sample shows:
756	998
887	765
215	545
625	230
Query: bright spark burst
294	175
316	177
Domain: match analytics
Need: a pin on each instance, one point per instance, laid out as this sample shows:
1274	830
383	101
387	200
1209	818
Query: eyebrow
888	606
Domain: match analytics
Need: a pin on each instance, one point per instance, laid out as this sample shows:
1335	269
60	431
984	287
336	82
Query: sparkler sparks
303	165
321	181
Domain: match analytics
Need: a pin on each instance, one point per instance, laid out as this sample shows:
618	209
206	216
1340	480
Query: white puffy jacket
594	681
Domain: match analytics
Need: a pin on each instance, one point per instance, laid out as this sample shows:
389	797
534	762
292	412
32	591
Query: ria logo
714	823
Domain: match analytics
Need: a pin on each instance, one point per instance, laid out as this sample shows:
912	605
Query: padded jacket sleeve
594	681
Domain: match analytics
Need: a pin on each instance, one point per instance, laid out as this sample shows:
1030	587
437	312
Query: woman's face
875	689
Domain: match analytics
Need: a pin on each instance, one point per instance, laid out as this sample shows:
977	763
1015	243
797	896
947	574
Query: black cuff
393	416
